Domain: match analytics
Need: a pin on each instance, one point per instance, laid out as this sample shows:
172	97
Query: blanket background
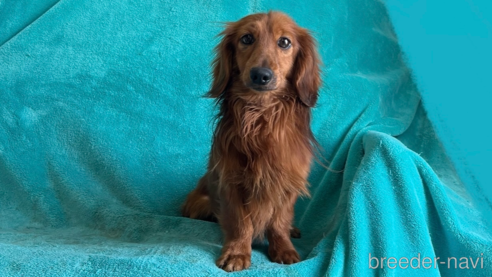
103	132
450	60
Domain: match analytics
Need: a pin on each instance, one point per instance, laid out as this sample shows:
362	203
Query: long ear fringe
223	63
307	74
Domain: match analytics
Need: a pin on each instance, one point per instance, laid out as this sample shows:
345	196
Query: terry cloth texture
103	132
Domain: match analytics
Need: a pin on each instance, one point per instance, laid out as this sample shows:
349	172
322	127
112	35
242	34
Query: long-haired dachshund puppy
265	80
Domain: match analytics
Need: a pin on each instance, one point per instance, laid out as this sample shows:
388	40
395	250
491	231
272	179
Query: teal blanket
103	132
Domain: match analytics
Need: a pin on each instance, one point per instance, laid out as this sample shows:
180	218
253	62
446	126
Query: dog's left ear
306	71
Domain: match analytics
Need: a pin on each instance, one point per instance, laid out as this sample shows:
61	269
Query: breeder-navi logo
426	262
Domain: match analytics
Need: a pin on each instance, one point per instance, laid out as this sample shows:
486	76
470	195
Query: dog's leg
197	204
280	248
238	230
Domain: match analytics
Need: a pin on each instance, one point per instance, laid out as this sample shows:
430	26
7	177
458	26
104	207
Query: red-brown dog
265	80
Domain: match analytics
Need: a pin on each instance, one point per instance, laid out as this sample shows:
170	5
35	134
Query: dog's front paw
230	262
286	256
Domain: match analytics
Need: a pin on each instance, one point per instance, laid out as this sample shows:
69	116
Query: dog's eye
283	42
247	39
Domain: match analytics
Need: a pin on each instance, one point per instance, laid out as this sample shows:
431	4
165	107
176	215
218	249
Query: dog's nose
261	75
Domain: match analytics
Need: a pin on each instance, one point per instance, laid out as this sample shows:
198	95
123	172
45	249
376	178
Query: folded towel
103	132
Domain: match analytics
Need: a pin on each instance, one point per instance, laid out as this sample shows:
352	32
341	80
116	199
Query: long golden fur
262	145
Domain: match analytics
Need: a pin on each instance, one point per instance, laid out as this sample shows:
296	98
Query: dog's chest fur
265	155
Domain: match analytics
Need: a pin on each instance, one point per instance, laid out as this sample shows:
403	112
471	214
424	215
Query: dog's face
267	54
265	51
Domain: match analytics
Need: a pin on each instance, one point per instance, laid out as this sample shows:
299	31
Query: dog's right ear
223	62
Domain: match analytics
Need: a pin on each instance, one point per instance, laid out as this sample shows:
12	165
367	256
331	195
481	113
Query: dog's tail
197	204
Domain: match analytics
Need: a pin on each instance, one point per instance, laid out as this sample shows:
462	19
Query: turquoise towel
103	132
